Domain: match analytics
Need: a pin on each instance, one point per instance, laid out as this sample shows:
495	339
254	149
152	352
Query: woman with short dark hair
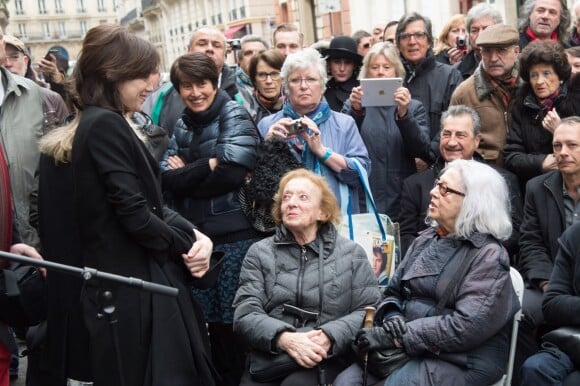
547	94
212	150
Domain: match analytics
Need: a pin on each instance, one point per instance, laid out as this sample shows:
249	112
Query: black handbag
22	296
382	363
267	367
567	339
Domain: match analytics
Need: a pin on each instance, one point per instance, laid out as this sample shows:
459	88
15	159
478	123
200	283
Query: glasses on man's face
406	36
444	190
367	46
274	75
297	82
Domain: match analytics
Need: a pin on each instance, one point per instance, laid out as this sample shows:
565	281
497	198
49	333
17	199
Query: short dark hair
271	57
573	51
408	19
545	52
110	55
193	67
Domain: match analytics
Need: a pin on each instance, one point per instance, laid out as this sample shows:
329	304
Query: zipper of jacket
505	121
303	260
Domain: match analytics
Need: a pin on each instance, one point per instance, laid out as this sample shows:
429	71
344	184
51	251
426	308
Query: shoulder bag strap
457	276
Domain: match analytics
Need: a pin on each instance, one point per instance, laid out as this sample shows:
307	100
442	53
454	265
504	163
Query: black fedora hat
343	47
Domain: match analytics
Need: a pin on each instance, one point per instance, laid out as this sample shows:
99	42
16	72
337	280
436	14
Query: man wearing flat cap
491	88
344	64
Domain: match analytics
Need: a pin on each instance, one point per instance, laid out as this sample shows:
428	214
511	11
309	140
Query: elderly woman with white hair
325	141
394	135
466	343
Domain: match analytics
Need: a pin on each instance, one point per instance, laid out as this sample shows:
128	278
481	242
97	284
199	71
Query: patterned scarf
548	103
243	79
505	87
319	115
5	204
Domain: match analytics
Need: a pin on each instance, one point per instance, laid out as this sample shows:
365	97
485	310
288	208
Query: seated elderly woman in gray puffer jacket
307	276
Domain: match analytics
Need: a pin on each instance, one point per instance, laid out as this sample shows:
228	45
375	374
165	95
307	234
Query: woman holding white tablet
394	135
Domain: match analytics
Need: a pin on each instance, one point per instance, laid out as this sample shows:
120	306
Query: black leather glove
371	339
396	326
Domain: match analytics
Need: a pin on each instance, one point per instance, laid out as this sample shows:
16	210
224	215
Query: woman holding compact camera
325	141
452	42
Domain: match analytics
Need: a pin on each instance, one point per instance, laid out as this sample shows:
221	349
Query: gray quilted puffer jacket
278	271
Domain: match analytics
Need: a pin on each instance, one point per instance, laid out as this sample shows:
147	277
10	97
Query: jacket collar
423	66
327	234
477	239
14	83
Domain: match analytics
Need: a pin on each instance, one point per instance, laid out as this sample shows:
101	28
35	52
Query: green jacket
21	125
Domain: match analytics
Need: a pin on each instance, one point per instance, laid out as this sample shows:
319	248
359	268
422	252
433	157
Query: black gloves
371	339
396	326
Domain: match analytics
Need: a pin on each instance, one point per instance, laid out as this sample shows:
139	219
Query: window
62	29
19	9
81	6
83	27
41	7
58	6
22	31
101	5
46	30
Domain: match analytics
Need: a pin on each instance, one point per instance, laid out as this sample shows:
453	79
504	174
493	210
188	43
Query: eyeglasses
297	82
417	35
274	75
14	57
444	190
367	45
501	51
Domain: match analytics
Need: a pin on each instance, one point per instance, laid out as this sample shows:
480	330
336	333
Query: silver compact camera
295	127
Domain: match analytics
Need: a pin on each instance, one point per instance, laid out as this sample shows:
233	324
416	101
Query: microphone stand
105	298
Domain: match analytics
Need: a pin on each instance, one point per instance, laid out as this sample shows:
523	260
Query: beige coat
477	93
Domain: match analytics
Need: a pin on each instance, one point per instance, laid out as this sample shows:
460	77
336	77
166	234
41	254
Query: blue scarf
319	115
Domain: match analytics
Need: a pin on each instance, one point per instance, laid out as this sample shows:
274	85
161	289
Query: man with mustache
544	20
460	137
490	89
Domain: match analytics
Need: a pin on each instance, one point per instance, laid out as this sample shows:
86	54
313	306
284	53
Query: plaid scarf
5	204
548	103
505	87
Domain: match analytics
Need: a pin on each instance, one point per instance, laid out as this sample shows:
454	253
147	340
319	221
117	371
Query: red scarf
533	36
5	204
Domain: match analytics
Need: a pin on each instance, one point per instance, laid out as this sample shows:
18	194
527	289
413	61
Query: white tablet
379	91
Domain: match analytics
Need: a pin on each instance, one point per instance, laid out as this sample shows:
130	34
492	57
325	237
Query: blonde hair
390	52
455	21
58	143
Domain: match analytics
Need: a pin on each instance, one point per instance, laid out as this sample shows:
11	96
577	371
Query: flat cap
15	42
498	35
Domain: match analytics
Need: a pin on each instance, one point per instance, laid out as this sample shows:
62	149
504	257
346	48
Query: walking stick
368	322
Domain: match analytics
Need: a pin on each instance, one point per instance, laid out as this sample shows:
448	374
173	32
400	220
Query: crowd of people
477	158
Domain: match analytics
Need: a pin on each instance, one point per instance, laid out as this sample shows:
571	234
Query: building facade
45	24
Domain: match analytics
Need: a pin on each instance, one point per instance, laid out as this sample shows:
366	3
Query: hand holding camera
295	127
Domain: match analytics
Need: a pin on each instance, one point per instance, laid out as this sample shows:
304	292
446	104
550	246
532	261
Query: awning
232	30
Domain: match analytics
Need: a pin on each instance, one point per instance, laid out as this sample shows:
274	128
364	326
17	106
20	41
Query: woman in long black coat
125	229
